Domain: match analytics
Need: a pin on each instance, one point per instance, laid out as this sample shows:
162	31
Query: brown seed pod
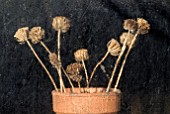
127	36
76	78
81	54
73	71
53	60
21	35
130	24
61	23
36	34
74	68
143	26
113	47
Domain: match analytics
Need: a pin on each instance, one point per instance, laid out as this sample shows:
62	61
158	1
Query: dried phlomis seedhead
130	25
126	36
81	54
113	47
61	23
36	34
143	26
22	35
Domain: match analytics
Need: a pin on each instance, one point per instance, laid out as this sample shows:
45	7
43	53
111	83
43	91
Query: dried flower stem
79	86
62	87
42	64
72	86
124	61
85	70
47	49
99	63
117	62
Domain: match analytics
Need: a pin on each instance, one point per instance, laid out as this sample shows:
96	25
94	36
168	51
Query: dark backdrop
26	89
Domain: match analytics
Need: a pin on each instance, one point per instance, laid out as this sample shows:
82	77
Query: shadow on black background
24	86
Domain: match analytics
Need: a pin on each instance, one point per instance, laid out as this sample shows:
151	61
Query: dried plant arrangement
82	98
61	24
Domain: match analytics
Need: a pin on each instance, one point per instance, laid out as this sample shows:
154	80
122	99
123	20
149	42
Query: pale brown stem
79	86
99	63
115	67
45	47
42	64
85	70
49	52
124	61
116	64
62	87
72	86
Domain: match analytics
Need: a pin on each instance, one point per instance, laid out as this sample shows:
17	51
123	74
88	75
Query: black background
26	89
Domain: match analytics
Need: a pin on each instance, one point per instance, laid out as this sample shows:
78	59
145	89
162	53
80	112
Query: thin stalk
72	86
99	63
116	64
124	61
115	67
49	52
85	70
79	86
45	47
42	64
62	87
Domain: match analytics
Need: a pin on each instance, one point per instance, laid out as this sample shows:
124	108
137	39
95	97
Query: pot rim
99	91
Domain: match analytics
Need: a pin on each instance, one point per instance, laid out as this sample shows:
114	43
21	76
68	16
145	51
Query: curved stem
124	61
62	87
99	63
42	64
85	70
68	79
116	65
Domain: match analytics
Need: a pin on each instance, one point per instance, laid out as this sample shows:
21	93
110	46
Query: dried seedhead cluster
61	24
36	34
73	71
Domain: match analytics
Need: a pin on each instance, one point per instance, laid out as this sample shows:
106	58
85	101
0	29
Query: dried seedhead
81	54
143	26
128	38
76	78
74	68
113	47
130	24
73	71
36	34
22	35
53	60
61	23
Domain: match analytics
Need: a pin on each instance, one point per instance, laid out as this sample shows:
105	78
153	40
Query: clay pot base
95	102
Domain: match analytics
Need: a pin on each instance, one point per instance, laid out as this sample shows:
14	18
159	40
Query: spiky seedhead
81	54
36	34
130	25
113	47
73	71
126	36
21	35
61	23
143	26
53	60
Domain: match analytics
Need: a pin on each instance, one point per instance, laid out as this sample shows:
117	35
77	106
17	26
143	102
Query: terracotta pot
95	102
